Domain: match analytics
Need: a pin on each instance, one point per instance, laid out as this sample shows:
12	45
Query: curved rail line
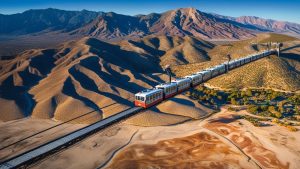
35	154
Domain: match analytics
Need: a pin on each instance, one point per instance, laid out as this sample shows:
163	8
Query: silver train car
182	84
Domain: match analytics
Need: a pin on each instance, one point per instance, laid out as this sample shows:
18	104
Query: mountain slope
280	73
44	20
265	25
269	24
34	29
85	75
178	22
189	21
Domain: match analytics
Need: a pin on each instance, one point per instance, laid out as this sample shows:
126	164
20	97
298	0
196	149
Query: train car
237	63
255	57
206	75
214	72
196	79
217	70
182	84
222	68
242	61
169	89
261	55
148	97
231	65
247	59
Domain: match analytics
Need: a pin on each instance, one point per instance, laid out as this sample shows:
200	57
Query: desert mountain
46	28
44	20
269	24
89	74
179	22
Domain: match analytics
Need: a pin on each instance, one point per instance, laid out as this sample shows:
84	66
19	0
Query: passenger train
150	97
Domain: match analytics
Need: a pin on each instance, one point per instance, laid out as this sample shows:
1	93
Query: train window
142	98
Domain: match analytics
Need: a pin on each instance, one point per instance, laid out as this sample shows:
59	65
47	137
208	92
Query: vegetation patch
265	103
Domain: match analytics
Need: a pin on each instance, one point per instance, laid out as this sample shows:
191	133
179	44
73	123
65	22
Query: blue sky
288	10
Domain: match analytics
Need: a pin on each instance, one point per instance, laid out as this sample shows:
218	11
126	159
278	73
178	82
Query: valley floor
219	141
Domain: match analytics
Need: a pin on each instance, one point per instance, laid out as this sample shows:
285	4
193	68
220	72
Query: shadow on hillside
110	76
183	101
132	61
148	49
69	89
289	48
19	94
224	119
292	56
89	84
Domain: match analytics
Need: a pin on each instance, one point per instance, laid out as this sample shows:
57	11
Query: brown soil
266	158
200	150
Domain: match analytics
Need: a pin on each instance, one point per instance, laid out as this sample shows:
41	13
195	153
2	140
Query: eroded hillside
89	75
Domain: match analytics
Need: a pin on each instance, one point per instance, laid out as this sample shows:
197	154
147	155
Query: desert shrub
252	109
271	108
248	92
278	114
264	107
233	101
291	128
255	121
275	120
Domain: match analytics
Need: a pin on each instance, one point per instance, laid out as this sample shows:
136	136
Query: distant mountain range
109	26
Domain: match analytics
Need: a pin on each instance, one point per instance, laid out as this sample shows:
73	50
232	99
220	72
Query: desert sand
219	141
16	130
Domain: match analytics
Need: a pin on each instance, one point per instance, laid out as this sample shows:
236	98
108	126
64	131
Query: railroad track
55	145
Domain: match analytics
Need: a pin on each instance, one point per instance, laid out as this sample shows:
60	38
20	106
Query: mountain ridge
110	25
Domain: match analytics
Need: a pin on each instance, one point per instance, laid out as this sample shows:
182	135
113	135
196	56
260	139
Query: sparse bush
278	114
275	120
291	128
233	101
271	109
249	93
252	109
264	107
